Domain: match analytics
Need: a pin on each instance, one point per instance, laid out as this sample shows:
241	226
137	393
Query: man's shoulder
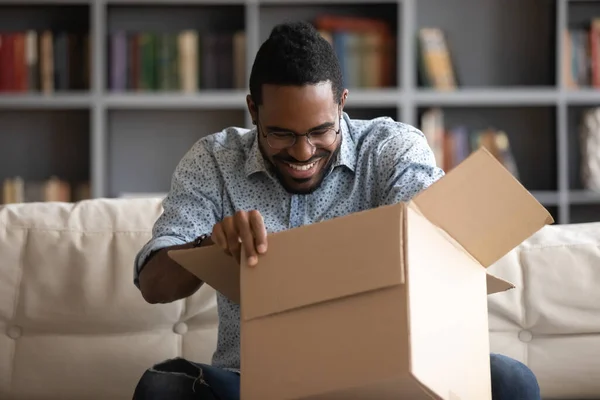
376	133
222	146
232	139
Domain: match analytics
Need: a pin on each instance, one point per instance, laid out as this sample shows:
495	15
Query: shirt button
14	332
525	336
180	328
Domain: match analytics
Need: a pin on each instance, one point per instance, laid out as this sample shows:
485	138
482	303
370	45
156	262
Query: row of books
176	61
189	61
186	61
17	190
581	57
452	145
44	61
365	47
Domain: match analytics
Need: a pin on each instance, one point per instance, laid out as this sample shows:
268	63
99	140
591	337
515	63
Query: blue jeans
179	379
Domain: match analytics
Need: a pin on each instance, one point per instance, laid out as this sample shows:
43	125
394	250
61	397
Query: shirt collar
254	159
347	154
345	157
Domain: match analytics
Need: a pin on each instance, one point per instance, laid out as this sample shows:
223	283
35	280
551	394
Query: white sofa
73	326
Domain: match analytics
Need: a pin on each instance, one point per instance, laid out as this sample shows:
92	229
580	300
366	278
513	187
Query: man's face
287	113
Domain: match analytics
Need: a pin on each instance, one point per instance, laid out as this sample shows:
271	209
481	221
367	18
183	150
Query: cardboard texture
389	303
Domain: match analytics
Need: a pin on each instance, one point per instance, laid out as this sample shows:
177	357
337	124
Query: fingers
259	231
245	229
218	236
242	222
229	239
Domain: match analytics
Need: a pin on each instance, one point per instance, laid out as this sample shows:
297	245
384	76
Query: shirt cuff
153	245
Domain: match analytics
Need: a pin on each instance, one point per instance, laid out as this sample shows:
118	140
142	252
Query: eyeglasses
317	138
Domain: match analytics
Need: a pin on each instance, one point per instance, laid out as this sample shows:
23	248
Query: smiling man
305	161
300	168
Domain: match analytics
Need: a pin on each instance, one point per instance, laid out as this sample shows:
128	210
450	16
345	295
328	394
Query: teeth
304	167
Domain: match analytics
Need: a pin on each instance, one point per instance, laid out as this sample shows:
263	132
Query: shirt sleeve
406	166
191	208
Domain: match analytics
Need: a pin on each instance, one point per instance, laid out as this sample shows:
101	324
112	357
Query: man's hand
245	228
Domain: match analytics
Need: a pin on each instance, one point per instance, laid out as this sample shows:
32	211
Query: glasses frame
297	135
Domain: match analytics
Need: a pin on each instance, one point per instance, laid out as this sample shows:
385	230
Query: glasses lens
323	139
280	141
284	140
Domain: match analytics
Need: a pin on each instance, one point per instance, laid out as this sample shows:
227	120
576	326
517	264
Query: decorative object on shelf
589	142
435	65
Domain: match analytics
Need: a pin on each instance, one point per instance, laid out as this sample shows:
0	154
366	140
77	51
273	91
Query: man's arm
406	166
162	280
191	209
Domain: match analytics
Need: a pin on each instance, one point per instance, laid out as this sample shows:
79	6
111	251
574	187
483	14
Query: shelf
488	97
506	68
54	15
39	2
317	2
166	16
166	136
582	96
582	213
35	144
374	97
528	129
584	197
235	99
496	43
371	112
44	101
206	99
173	2
209	2
547	198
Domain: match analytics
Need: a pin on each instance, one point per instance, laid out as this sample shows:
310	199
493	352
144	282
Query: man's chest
341	193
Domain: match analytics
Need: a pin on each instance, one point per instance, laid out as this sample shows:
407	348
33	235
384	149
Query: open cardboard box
389	303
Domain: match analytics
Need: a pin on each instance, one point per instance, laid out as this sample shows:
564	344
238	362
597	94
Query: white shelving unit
507	56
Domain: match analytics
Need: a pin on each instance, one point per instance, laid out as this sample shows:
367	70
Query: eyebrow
280	129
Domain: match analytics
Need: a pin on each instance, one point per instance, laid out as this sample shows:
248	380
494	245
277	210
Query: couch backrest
72	324
551	320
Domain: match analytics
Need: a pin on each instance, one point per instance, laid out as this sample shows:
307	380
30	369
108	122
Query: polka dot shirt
381	162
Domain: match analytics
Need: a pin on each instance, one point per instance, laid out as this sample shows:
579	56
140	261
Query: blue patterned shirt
381	162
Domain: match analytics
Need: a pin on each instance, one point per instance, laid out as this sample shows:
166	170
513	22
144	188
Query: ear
343	99
252	109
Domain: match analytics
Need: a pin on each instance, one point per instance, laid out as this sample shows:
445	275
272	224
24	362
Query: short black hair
295	54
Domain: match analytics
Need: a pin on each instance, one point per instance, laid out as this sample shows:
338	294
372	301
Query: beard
289	183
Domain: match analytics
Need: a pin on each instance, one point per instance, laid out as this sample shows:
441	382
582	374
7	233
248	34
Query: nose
302	150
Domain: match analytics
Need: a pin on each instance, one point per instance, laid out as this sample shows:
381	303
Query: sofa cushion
72	323
551	320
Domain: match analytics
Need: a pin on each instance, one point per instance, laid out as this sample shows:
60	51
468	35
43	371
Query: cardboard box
389	303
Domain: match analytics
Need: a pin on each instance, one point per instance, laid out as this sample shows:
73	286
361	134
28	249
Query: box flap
483	207
217	269
327	260
495	284
448	312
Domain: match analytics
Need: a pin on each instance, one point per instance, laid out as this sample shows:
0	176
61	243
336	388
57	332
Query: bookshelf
507	56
